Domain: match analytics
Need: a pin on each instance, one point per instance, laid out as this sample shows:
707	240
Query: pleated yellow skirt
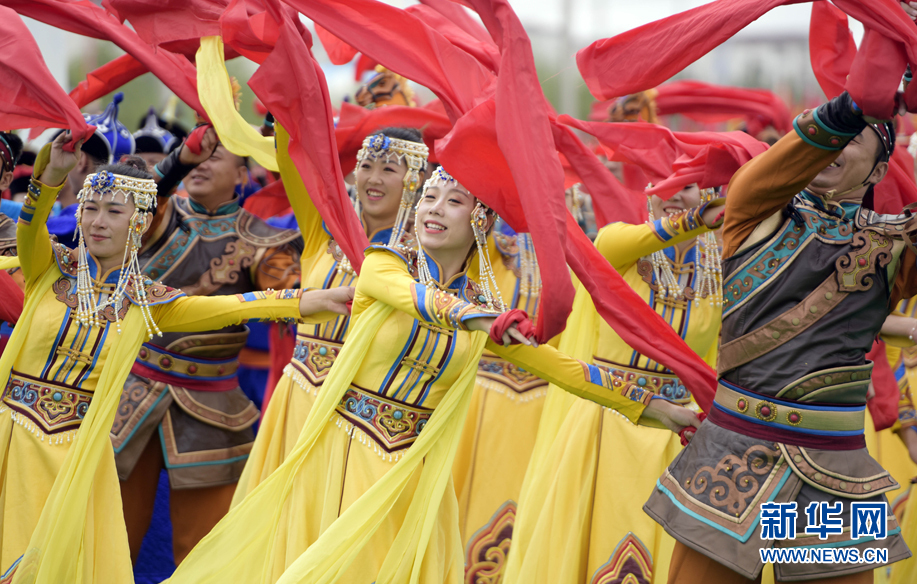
344	463
622	538
29	463
493	455
286	414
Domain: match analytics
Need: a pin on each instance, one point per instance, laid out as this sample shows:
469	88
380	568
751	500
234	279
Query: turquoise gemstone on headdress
57	396
641	381
397	414
322	351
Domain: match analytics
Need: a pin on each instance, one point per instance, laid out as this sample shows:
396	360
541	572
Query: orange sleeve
278	269
768	182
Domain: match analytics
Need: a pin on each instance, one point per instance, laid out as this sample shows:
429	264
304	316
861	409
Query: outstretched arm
315	238
205	313
596	385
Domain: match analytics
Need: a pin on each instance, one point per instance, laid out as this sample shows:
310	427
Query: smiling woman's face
106	226
686	198
444	221
379	187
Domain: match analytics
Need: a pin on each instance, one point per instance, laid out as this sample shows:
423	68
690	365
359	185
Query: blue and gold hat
118	138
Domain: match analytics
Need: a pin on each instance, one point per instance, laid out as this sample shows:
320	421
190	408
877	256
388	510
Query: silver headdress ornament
142	193
492	298
414	155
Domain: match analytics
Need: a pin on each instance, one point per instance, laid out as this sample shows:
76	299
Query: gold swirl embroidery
734	481
857	270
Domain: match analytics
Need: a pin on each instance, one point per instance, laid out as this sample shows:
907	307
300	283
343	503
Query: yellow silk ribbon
215	92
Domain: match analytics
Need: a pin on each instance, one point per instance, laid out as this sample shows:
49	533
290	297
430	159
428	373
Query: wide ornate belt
665	385
315	357
393	425
55	408
196	373
829	427
509	374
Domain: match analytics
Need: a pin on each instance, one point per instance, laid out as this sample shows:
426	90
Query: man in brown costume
809	277
182	408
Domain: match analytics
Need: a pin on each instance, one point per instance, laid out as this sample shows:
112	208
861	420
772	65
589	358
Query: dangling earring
530	276
488	279
411	183
709	271
662	267
423	269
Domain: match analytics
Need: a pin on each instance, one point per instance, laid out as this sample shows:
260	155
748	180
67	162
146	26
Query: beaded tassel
709	280
423	269
411	182
488	279
530	275
662	269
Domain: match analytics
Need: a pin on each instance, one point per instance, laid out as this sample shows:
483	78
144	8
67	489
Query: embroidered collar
226	209
849	210
456	283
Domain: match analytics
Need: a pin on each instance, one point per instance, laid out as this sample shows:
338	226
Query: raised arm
315	238
385	278
172	169
622	244
49	174
769	181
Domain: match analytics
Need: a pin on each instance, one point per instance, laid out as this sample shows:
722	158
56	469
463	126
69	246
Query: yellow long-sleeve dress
366	494
323	266
580	513
60	504
502	422
892	454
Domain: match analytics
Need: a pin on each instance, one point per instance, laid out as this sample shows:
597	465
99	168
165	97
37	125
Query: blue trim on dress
742	538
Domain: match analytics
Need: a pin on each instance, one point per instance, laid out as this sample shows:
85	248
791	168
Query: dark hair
400	133
15	144
129	165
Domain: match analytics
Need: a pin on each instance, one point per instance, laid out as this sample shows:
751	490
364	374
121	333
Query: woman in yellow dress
86	314
580	512
502	422
366	494
896	447
390	168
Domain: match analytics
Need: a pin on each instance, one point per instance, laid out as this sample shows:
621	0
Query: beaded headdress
414	155
142	193
479	215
